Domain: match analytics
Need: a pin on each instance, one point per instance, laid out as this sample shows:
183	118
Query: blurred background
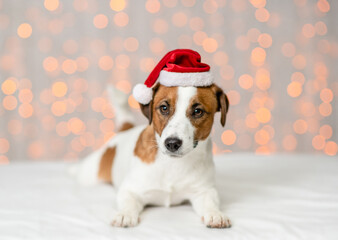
276	60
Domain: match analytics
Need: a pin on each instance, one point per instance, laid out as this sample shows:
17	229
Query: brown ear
223	103
147	110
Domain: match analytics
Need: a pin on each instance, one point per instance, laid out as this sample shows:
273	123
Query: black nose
173	144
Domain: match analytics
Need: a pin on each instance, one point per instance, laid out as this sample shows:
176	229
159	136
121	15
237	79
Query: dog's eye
198	112
164	109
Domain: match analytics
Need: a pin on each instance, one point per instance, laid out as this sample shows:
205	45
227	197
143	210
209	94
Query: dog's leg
129	209
206	204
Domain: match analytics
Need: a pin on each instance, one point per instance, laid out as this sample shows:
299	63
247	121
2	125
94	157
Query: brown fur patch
208	102
106	164
146	145
126	126
163	94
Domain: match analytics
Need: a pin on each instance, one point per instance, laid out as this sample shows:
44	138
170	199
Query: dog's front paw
125	220
216	220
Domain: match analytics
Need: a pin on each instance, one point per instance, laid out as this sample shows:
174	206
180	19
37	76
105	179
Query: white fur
180	126
196	79
168	180
142	93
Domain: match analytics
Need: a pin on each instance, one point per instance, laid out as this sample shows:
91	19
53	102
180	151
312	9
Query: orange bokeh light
300	126
210	45
25	96
210	6
133	103
9	103
308	30
228	137
4	145
24	30
8	87
131	44
106	63
69	66
26	110
263	115
117	5
121	19
318	142
326	95
298	77
76	126
321	28
50	64
258	3
245	81
59	89
262	15
258	56
59	108
294	89
325	109
326	131
263	79
331	148
262	137
323	6
153	6
100	21
51	5
265	40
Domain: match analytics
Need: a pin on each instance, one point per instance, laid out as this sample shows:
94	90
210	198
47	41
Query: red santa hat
179	68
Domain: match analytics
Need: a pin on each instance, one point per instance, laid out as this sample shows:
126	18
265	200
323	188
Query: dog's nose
173	144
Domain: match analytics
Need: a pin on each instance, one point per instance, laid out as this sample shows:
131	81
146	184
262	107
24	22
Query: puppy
166	162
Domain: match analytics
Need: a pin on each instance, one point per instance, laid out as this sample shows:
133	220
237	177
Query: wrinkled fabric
266	197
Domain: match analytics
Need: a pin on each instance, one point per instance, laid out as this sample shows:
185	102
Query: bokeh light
59	56
24	30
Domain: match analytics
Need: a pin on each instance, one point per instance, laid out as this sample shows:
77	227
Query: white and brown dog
166	162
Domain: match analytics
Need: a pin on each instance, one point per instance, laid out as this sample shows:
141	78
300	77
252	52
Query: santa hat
179	68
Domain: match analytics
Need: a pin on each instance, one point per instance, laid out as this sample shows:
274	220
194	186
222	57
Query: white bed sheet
266	197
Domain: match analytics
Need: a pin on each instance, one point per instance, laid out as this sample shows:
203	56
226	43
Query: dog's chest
163	197
167	185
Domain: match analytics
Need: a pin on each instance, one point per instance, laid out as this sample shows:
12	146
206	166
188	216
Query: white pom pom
142	93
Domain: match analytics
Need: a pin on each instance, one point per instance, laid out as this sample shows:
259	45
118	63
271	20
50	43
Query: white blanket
266	197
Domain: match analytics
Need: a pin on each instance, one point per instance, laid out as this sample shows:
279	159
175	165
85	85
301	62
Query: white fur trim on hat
193	79
142	93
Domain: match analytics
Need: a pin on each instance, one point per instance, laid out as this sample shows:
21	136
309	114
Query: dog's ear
222	102
147	110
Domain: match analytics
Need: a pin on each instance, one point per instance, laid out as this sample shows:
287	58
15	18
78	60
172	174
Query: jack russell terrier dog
168	161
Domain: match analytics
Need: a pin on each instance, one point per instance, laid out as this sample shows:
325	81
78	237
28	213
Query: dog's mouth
174	155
